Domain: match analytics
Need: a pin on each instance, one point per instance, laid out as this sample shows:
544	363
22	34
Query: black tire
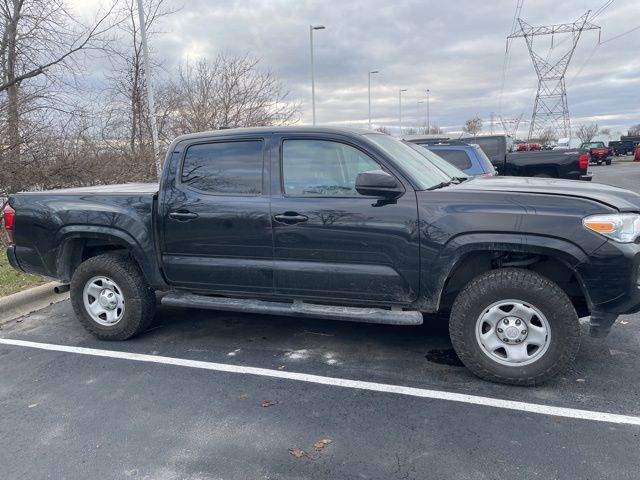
139	298
608	161
533	289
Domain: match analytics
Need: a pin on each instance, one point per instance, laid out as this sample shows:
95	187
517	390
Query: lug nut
499	330
523	332
518	322
506	321
518	340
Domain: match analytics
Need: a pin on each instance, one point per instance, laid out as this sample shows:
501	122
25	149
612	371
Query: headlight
621	227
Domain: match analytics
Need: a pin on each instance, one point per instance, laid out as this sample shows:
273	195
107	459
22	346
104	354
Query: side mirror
378	183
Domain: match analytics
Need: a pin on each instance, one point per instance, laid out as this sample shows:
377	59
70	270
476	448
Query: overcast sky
454	48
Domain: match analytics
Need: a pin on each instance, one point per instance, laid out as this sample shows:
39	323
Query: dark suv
467	157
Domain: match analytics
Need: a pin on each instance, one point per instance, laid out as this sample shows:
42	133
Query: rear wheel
514	326
608	161
111	298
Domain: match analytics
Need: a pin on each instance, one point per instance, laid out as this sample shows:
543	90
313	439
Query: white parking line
340	382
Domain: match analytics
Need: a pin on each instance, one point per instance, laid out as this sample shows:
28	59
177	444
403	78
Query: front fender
454	252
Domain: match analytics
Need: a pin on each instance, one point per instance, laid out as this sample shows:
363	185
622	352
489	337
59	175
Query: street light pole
369	78
428	119
418	110
150	99
313	80
400	90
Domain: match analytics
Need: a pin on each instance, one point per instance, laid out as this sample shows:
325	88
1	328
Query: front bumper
13	260
612	278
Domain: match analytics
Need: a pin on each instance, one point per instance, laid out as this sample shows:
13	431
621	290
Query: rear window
457	158
224	167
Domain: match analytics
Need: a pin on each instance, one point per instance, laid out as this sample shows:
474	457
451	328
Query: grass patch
12	281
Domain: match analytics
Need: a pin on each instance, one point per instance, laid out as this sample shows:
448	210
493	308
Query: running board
295	309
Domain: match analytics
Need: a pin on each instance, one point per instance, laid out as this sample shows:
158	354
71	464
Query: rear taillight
584	161
9	216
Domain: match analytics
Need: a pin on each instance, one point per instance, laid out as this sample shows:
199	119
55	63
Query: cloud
456	49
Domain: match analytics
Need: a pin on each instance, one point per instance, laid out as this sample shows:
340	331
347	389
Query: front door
331	243
216	221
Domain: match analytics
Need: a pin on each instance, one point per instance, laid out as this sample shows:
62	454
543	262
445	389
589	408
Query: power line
621	35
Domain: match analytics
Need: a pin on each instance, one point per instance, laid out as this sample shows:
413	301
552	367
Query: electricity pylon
510	125
551	108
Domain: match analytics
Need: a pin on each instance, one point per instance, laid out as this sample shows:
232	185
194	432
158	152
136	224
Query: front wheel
514	326
608	161
111	298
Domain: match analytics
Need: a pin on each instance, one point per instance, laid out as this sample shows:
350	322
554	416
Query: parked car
535	146
636	157
567	164
598	153
439	162
622	147
466	157
345	224
523	147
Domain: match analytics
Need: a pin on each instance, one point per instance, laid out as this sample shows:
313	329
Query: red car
598	153
636	157
522	147
535	146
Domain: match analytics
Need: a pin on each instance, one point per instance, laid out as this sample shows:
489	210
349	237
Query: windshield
439	162
593	145
425	174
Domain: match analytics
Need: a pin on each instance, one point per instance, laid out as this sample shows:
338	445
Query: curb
30	300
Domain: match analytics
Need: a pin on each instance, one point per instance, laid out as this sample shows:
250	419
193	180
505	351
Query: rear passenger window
224	167
457	158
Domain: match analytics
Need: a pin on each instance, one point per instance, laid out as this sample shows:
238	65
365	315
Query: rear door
215	216
331	243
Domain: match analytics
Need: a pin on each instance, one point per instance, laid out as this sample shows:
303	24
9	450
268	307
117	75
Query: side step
295	309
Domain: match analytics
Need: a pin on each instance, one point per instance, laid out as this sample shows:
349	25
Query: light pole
428	119
150	99
400	90
369	78
418	111
313	80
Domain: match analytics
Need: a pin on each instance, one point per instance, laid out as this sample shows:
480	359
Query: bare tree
128	113
634	130
433	130
586	132
228	92
547	136
39	42
473	126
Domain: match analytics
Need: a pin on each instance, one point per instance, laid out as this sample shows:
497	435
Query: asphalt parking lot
189	410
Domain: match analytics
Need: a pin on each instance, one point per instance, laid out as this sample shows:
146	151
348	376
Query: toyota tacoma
344	224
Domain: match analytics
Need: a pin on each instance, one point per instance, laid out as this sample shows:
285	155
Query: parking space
108	415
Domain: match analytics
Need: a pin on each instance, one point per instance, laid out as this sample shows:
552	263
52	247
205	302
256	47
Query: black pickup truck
567	164
343	224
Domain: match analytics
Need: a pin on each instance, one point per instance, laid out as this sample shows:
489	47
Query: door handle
290	218
183	215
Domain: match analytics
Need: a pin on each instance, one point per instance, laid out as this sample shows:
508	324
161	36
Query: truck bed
48	222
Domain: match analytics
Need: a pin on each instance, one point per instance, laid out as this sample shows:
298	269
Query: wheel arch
553	258
78	244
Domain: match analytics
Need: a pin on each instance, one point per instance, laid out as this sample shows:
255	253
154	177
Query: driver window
322	168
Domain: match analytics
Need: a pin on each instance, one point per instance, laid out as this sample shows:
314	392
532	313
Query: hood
619	198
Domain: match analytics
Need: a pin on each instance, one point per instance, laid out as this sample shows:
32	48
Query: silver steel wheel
103	301
513	333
